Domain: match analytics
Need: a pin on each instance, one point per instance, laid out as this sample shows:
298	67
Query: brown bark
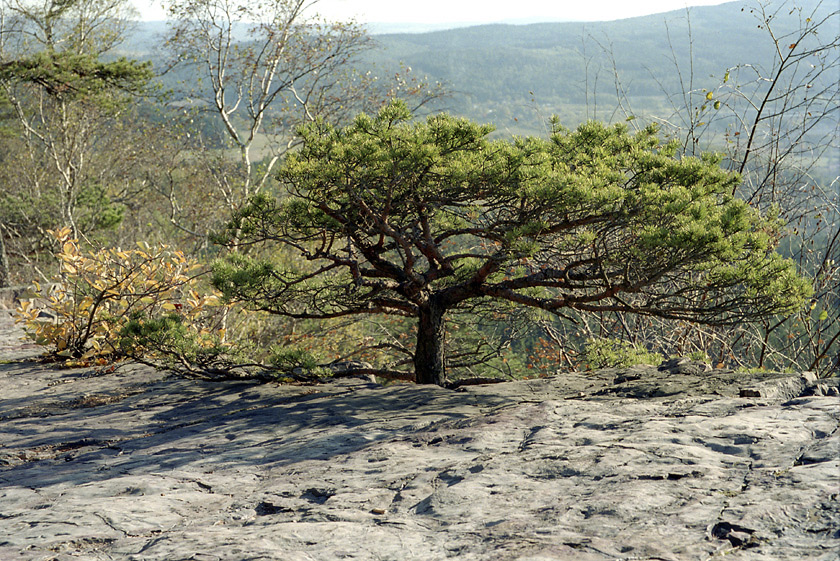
430	353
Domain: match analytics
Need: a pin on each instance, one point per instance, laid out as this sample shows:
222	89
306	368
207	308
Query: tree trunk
430	356
5	274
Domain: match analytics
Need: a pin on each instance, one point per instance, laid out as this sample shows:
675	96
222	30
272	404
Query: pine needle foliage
420	219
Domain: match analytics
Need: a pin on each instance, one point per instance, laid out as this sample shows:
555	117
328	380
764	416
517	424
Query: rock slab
641	463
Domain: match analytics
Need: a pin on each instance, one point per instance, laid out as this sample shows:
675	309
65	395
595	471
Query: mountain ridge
517	75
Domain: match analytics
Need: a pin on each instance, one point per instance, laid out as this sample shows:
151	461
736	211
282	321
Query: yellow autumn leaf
61	233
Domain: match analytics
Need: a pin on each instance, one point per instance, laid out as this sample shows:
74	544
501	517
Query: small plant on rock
609	353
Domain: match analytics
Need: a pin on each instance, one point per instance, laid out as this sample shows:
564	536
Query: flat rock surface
669	463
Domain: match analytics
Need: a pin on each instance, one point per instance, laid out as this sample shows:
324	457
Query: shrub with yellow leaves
84	313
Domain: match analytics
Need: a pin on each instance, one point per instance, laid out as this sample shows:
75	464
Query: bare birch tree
64	96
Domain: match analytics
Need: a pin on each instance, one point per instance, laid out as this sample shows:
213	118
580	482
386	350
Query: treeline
170	143
575	68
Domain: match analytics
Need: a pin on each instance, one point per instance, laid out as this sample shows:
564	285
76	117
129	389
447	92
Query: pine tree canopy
394	216
71	75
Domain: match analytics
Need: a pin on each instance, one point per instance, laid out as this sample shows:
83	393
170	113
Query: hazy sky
476	11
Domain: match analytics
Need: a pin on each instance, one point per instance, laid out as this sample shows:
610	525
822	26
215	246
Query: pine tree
419	219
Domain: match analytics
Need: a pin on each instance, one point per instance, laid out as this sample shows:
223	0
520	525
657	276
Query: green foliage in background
436	248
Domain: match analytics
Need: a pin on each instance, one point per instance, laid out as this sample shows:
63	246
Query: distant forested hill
517	76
